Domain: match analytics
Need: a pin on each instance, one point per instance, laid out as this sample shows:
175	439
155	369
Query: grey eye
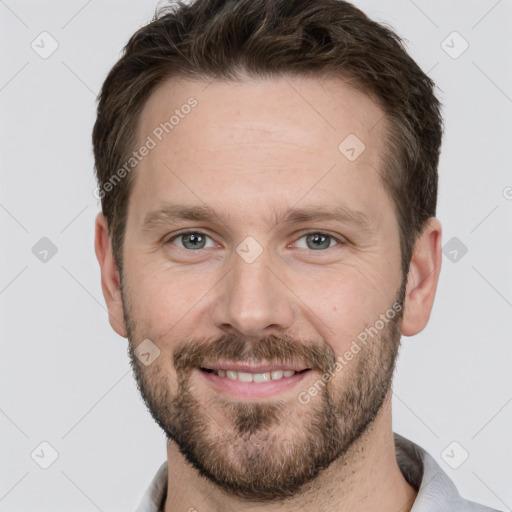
193	241
317	241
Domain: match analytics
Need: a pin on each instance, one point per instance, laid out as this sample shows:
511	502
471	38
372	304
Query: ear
422	279
110	278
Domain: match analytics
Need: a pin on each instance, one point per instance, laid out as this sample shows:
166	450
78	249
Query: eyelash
183	233
339	241
313	232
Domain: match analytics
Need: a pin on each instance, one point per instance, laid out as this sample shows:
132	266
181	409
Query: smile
261	381
254	377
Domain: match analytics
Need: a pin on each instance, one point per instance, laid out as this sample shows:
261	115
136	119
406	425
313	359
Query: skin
249	149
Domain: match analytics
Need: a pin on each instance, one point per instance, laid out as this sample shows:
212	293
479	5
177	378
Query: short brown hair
225	39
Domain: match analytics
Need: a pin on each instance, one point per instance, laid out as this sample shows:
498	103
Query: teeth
255	377
261	377
244	377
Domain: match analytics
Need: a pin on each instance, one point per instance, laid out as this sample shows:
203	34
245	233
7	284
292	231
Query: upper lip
252	368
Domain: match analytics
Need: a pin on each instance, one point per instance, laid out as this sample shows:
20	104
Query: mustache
270	349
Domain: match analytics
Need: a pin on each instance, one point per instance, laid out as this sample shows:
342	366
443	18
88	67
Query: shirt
436	492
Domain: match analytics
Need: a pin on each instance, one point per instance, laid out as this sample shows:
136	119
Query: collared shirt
436	492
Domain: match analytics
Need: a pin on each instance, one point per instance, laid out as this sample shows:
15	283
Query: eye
317	241
192	240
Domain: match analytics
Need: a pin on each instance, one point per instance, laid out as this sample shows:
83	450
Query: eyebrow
172	213
337	213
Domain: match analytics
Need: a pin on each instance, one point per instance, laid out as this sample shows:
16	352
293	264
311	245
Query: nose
252	301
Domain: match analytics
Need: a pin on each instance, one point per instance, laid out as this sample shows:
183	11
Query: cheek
162	302
349	301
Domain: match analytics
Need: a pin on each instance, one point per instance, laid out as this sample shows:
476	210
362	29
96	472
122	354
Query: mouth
248	381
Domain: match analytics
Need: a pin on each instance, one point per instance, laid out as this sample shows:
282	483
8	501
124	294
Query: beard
267	451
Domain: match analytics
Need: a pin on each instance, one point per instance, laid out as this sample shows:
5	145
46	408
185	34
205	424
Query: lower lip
253	389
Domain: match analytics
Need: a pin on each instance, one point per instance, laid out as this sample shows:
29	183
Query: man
268	176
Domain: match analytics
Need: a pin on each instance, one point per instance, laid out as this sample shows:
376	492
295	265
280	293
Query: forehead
301	111
285	134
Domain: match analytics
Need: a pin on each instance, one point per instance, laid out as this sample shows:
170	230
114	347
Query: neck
367	477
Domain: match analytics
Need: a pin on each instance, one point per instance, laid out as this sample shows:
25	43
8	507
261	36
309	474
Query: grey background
65	376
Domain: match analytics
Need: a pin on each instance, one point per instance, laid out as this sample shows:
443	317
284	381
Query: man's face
252	304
